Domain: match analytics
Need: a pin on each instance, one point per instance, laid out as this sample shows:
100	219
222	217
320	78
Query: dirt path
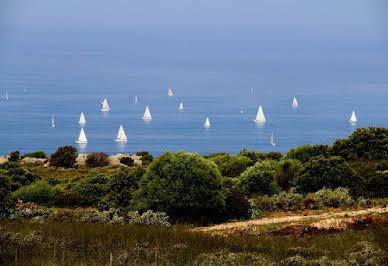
285	219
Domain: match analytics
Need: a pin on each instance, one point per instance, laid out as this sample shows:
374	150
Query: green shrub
146	158
37	154
212	155
259	179
287	171
148	218
18	176
305	153
382	166
93	187
232	166
260	156
369	143
40	193
14	156
322	172
284	201
97	159
121	187
376	185
7	203
65	156
340	197
128	161
184	185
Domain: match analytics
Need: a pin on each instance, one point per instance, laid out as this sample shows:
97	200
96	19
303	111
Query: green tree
261	156
146	158
39	192
232	166
259	179
17	175
322	172
184	185
236	202
92	188
37	154
65	156
369	143
376	186
14	156
128	161
7	203
97	159
304	153
287	171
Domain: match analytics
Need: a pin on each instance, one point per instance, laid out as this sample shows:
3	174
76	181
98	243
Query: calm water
65	78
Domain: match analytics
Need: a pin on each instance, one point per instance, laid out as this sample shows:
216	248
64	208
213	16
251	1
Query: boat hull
81	142
120	140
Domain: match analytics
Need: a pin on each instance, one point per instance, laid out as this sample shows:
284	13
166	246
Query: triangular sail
180	106
82	137
121	137
260	117
353	118
147	114
82	120
207	123
272	141
170	92
295	103
105	106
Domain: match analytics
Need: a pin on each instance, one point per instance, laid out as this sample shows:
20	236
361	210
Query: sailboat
170	92
207	123
260	117
82	120
147	114
252	90
272	142
105	106
6	96
241	110
52	121
136	100
82	137
180	107
295	103
121	137
353	118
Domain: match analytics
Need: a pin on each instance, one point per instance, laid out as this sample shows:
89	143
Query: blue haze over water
331	63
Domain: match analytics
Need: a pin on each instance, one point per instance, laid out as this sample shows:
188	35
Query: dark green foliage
97	159
184	185
304	153
369	143
38	154
259	179
232	166
18	176
64	157
322	172
14	156
121	187
212	155
146	158
128	161
376	185
7	204
382	166
237	204
40	193
261	156
93	187
287	171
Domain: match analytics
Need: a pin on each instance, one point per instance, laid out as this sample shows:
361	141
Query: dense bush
260	156
339	197
7	203
237	204
97	159
146	158
93	188
211	155
322	172
304	153
121	187
286	172
39	192
14	156
259	179
184	185
369	143
376	185
232	166
65	156
128	161
17	175
38	154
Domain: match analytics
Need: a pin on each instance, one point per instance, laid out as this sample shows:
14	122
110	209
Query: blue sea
66	77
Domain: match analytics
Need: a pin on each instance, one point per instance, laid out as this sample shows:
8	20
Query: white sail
121	137
170	92
353	118
207	123
272	142
82	137
136	100
147	114
180	106
295	103
105	106
52	121
82	120
251	90
260	117
6	95
241	110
